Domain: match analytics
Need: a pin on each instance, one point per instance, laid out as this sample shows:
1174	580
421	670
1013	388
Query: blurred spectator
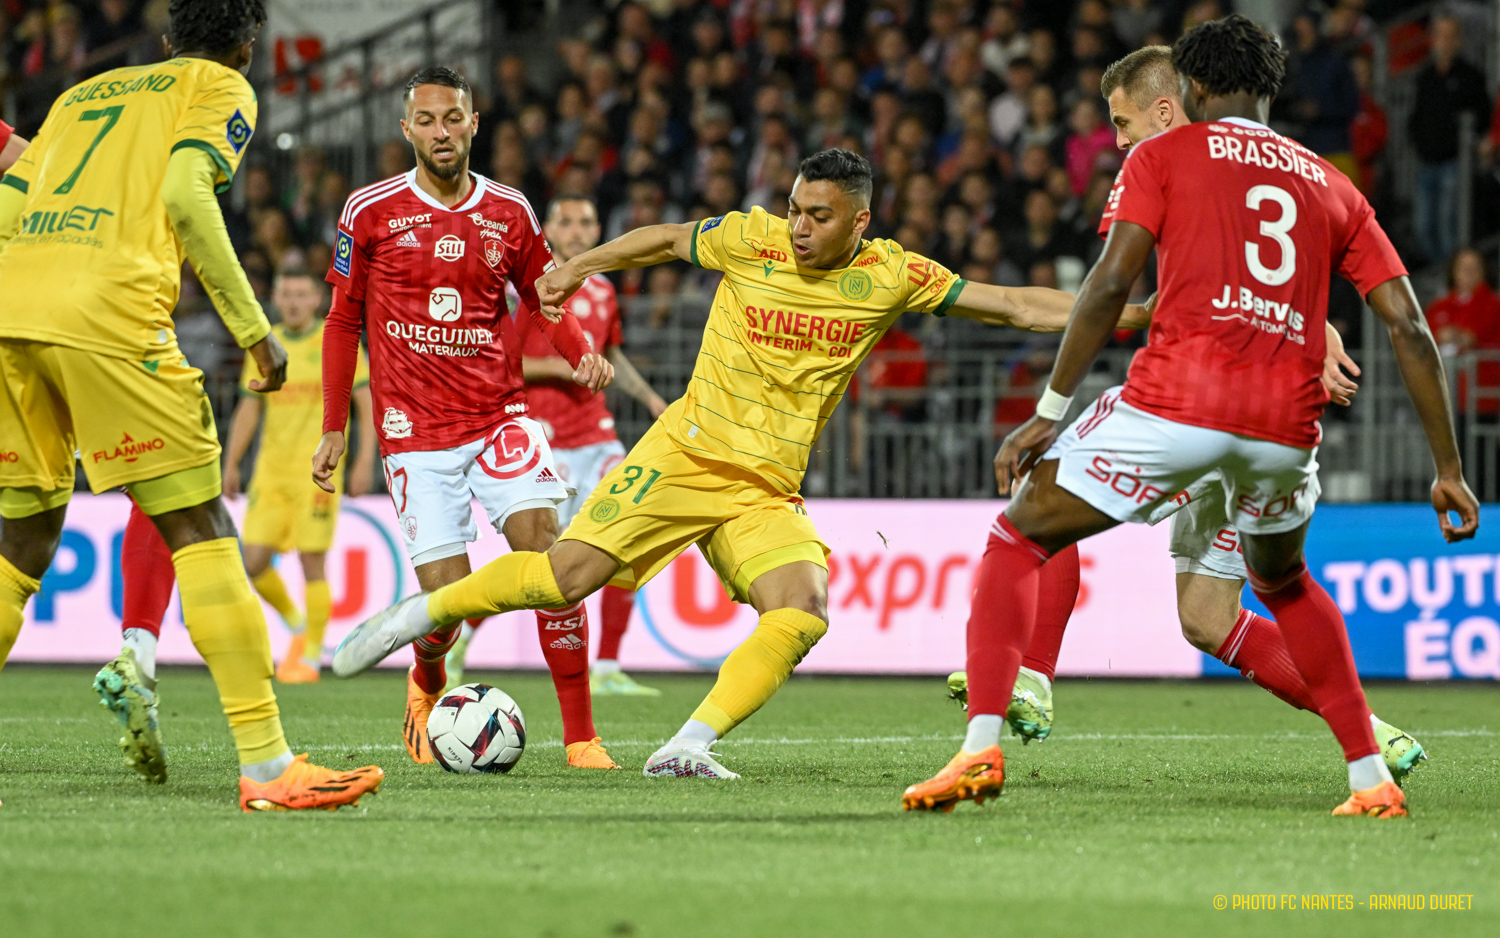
1010	111
1004	42
1468	319
1135	20
108	29
1370	129
1090	138
1319	99
1446	87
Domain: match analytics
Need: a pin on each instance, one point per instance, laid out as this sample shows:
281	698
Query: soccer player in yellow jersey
802	302
95	220
287	511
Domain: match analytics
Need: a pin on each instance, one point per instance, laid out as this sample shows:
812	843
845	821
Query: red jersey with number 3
572	415
1249	226
445	351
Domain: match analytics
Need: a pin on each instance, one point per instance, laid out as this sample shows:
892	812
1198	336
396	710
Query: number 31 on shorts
632	475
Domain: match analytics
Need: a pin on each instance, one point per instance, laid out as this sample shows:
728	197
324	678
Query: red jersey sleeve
566	336
5	131
340	358
1112	203
1139	195
1369	257
350	266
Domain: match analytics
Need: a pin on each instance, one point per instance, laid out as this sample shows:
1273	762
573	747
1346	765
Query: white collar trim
1242	121
475	194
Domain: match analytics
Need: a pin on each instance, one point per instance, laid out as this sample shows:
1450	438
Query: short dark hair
297	269
436	75
216	27
568	197
1230	56
1146	74
845	168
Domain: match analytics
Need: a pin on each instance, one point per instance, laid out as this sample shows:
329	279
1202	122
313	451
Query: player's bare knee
534	529
209	521
1202	627
580	569
314	566
30	543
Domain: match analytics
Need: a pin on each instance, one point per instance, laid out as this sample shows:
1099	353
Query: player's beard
451	170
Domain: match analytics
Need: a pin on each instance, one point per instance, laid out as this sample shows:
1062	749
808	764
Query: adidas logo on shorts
546	475
568	643
409	240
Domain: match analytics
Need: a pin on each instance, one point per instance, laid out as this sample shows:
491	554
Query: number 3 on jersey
1276	231
632	475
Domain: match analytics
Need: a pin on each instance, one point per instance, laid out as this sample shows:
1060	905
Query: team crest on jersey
238	132
494	252
856	286
449	247
605	511
343	252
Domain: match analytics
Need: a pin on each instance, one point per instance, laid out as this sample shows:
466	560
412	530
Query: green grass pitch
1149	800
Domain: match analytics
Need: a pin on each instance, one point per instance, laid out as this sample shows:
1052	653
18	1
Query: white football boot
685	758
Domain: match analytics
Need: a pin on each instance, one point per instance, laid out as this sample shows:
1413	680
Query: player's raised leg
127	685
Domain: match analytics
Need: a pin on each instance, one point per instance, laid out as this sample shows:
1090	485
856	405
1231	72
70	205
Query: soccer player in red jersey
1145	100
1248	225
422	261
579	426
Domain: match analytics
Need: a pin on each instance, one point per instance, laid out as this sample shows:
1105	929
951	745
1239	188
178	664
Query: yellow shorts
662	499
128	421
290	515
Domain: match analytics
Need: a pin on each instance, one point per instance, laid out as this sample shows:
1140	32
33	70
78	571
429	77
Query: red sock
429	672
1002	617
1256	647
615	604
1314	632
146	573
1056	595
564	634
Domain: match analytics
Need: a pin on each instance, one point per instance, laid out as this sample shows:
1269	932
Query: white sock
606	666
467	632
1367	772
697	731
143	643
984	731
1040	678
1375	721
268	771
417	623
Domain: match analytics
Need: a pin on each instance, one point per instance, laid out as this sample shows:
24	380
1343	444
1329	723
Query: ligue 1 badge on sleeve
493	252
238	132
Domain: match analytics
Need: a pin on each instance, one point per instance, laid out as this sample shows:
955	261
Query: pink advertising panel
901	572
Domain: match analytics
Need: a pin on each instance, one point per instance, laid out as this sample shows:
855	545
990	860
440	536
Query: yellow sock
519	580
271	588
319	599
15	588
755	671
228	628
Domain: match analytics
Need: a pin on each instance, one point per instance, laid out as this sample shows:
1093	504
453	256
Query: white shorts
509	469
582	468
1132	465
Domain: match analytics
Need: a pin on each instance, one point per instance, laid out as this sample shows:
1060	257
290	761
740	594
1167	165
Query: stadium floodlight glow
286	141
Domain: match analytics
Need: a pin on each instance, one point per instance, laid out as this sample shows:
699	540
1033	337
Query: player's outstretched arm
630	381
643	247
362	473
1422	369
1035	309
1096	314
187	191
242	428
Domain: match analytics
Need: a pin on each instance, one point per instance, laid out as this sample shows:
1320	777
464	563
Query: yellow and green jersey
782	341
293	419
96	264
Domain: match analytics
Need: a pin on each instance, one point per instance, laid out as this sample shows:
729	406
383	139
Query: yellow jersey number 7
111	117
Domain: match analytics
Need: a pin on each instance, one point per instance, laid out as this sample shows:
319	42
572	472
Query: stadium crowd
984	120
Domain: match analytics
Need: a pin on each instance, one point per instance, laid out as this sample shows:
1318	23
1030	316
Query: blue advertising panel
1417	607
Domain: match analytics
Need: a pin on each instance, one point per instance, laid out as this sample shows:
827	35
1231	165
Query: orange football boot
293	670
590	755
1385	800
969	775
419	706
304	786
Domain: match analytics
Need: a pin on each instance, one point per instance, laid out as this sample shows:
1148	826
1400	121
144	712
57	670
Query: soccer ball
476	728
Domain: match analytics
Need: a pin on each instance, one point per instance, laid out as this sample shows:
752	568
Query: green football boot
1401	753
125	691
618	684
1030	710
454	663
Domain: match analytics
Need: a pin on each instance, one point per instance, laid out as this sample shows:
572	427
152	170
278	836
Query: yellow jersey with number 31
96	264
782	341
